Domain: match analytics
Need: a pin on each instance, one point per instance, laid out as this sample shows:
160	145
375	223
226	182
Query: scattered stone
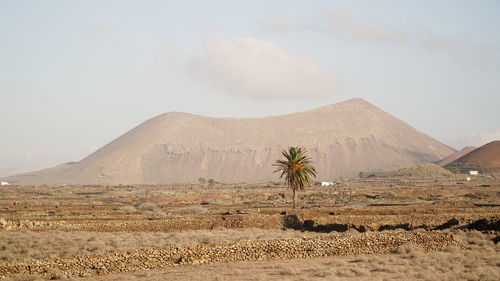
3	223
176	255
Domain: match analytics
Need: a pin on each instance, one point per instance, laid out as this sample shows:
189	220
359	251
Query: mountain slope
342	139
455	155
423	171
484	159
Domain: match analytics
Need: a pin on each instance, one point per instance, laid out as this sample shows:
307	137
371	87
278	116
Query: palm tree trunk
293	200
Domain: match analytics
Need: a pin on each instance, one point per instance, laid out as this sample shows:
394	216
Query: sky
74	75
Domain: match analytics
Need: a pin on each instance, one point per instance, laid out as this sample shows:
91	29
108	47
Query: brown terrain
455	155
424	171
343	139
379	228
484	159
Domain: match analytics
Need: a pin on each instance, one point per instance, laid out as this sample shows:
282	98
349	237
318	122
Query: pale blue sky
74	75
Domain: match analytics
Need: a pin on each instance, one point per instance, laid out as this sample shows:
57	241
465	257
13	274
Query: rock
3	223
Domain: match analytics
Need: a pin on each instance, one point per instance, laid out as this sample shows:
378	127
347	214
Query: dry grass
155	214
145	206
481	262
22	245
191	210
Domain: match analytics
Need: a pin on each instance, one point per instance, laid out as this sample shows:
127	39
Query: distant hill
426	170
342	139
455	155
485	159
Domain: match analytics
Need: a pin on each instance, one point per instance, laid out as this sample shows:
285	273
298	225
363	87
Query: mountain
484	159
342	139
455	155
423	171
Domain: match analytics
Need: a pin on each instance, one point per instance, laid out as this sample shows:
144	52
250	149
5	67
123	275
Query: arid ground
367	229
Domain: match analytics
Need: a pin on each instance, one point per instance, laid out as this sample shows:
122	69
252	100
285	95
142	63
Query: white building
326	183
473	173
4	183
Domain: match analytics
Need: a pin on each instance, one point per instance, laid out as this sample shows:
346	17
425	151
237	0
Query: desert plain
376	228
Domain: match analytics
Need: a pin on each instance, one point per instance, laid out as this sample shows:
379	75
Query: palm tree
297	169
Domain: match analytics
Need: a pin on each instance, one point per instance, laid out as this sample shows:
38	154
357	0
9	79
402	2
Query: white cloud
260	69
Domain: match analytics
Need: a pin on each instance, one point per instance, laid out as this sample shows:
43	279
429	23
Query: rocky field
371	228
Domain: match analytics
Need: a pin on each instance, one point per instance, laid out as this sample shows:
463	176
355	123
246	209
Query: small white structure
468	178
4	183
473	173
326	183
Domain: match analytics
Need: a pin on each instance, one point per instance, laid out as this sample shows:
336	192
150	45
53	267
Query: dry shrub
32	203
191	210
128	208
321	274
452	249
52	203
408	249
145	206
56	274
288	271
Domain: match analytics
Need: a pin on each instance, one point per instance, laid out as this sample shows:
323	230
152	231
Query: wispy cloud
260	69
344	25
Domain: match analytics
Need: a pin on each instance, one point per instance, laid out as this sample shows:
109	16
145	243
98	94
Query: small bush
128	208
145	206
191	210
